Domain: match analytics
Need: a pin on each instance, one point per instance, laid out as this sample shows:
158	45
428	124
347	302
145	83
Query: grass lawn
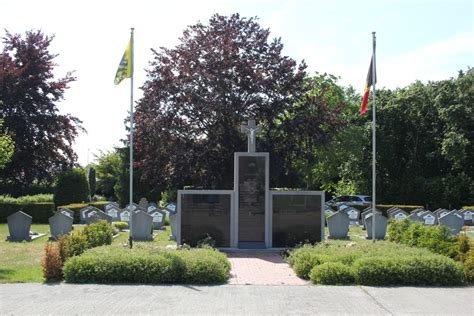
21	261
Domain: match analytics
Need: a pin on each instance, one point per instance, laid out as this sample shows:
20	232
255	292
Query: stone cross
251	130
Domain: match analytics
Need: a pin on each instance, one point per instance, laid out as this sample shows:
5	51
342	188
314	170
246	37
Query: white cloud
431	62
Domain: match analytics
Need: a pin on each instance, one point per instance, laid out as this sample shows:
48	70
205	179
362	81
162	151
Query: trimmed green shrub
303	259
40	212
144	265
27	199
120	225
75	243
207	267
98	234
332	273
435	238
468	208
426	270
380	263
71	187
469	267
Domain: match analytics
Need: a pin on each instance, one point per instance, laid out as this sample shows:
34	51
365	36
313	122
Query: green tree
108	166
425	152
92	181
7	146
71	187
306	130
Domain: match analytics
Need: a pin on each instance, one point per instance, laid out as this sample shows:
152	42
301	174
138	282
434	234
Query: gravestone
114	212
415	218
151	208
133	207
173	225
142	226
60	224
66	211
428	218
110	205
467	216
399	215
338	225
365	213
158	218
392	211
97	216
380	225
19	225
171	208
125	215
453	221
342	206
143	204
84	213
353	215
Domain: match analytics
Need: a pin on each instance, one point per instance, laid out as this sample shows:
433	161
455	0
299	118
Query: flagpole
131	135
373	136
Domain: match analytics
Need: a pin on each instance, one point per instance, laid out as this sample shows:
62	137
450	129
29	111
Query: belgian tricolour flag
369	82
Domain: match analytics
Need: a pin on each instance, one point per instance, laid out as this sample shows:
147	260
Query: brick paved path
261	268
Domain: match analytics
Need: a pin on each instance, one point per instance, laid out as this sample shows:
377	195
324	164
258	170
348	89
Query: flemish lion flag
125	68
369	82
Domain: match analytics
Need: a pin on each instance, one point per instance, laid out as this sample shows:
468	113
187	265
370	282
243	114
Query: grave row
338	222
146	217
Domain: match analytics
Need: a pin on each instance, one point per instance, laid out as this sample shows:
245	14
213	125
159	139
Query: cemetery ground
21	261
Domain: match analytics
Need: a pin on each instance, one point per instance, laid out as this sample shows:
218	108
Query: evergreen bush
150	266
332	273
72	187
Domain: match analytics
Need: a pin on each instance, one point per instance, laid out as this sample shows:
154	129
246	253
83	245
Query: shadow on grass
4	273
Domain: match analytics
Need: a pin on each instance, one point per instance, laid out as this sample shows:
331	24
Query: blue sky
416	40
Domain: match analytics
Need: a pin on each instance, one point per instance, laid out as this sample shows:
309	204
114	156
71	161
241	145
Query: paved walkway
89	299
261	268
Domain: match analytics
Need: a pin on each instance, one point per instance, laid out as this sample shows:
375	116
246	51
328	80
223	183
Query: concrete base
30	238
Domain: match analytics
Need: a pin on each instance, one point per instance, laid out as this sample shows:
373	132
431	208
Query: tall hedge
72	187
39	211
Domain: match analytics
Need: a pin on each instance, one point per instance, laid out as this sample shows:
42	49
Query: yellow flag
125	68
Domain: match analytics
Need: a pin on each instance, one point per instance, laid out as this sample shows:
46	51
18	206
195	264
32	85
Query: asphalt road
70	299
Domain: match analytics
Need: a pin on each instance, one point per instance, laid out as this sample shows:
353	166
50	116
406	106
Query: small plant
120	225
206	242
98	234
52	263
332	273
469	267
76	244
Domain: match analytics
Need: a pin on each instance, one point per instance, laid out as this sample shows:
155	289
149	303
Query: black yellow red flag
369	82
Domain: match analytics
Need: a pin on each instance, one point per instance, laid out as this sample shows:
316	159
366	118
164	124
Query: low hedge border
382	263
40	212
148	266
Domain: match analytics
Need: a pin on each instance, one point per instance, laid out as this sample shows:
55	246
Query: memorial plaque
296	218
205	214
251	198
